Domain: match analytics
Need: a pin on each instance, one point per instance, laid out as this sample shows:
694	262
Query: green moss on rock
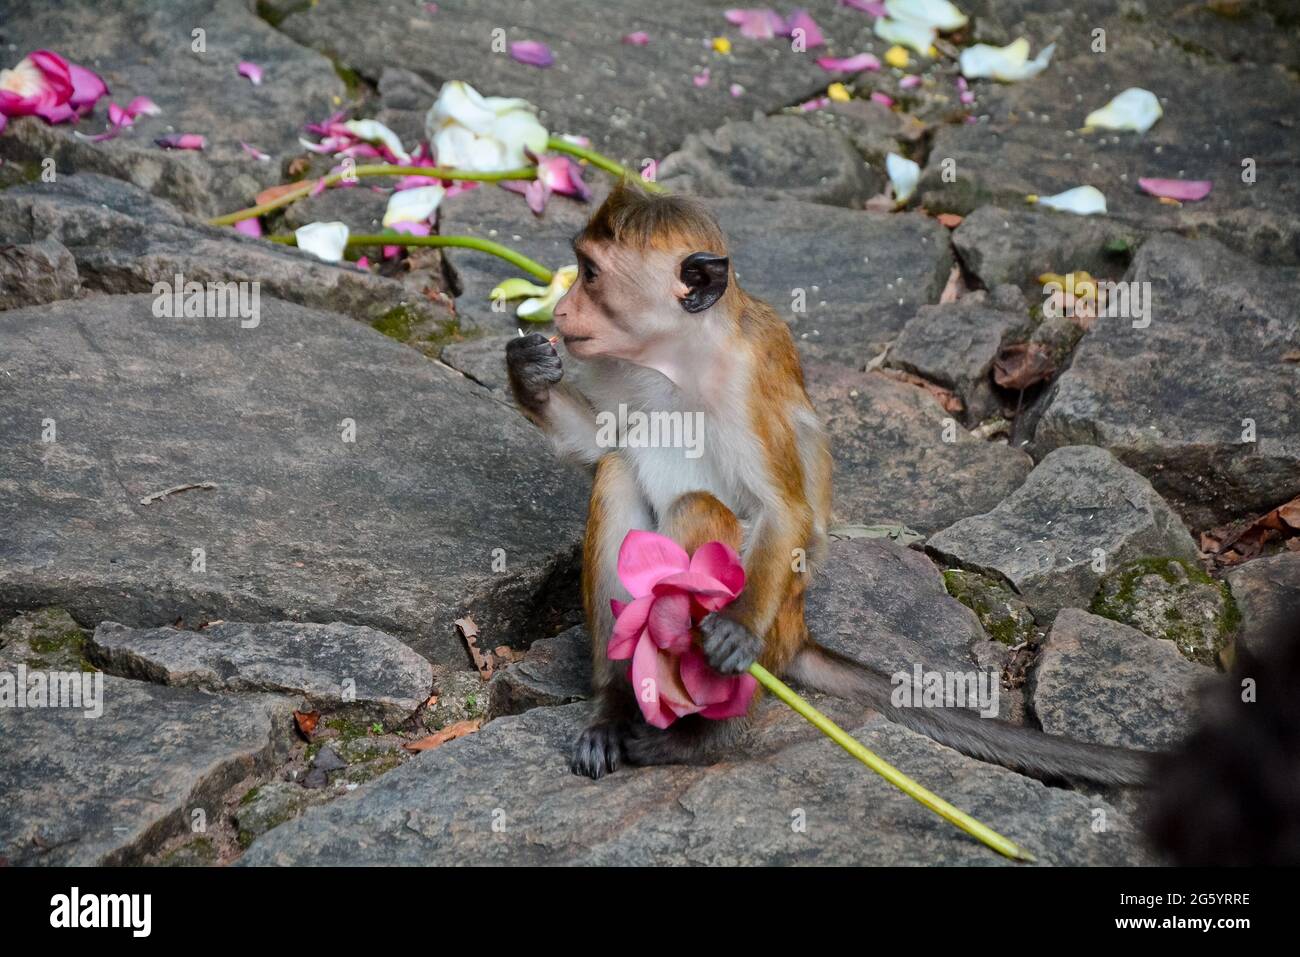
1001	613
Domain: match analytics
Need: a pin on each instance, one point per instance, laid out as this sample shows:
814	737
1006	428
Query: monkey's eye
589	272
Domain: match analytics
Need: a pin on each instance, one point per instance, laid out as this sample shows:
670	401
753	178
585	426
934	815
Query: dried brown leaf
1022	365
449	733
307	722
469	631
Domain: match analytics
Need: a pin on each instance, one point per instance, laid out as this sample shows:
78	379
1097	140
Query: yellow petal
838	92
721	45
896	56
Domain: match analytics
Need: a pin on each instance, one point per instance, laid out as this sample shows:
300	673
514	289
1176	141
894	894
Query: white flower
1008	63
1084	200
1134	109
908	33
903	176
413	205
486	134
372	131
323	240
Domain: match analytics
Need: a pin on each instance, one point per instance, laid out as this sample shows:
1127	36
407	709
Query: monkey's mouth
570	340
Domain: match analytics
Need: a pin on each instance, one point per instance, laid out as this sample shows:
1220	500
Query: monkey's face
637	305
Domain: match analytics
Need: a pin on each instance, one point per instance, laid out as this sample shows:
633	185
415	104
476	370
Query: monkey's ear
705	277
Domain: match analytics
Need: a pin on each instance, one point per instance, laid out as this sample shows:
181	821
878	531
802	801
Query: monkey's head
652	271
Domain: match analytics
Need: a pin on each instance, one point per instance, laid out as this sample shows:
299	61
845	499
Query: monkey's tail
1026	750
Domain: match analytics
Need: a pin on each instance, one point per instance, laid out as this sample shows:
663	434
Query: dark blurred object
1231	794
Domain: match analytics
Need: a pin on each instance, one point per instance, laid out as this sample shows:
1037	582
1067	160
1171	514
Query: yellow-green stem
898	779
371	169
530	266
557	145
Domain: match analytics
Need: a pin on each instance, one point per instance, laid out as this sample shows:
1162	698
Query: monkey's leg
692	520
616	507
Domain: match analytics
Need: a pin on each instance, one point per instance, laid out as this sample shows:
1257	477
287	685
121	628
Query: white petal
515	131
460	103
908	33
903	175
1084	200
372	131
935	13
1134	109
323	240
1008	63
413	205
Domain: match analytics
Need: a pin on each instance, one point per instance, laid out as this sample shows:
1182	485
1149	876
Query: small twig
155	496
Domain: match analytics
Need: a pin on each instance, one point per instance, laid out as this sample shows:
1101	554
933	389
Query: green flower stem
897	778
372	169
557	145
530	266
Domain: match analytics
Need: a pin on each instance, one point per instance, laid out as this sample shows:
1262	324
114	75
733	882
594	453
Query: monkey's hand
729	646
534	367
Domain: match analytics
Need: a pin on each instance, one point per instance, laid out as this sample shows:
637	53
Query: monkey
658	321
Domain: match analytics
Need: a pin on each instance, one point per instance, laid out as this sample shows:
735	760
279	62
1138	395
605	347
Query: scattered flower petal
1183	190
249	227
909	33
852	64
323	240
531	53
757	24
874	7
909	82
542	308
1134	109
721	45
254	152
182	141
801	20
897	57
409	229
1009	63
701	78
904	175
939	14
638	39
737	90
1084	200
413	205
372	131
250	70
884	99
838	93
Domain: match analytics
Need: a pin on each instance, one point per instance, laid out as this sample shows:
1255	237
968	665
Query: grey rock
1173	600
1100	681
36	273
554	671
327	760
892	464
143	48
270	805
483	361
333	666
874	129
462	696
396	531
152	241
110	790
1018	244
45	638
361	207
1267	592
885	607
440	808
1000	611
1170	400
1045	538
782	157
954	345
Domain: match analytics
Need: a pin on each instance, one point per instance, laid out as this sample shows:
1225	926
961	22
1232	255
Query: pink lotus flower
46	85
638	39
531	53
555	174
851	64
671	592
1183	190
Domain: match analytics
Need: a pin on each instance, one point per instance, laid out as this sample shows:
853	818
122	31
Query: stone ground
269	639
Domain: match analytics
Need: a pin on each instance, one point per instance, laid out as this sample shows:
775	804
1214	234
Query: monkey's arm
555	407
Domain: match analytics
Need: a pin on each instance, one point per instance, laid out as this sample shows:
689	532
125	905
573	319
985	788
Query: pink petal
118	116
883	99
720	561
1183	190
317	189
532	53
909	82
249	227
57	113
254	152
757	24
742	693
720	696
562	175
465	186
873	7
142	106
182	141
669	624
363	263
629	623
737	90
851	64
802	20
250	70
657	685
408	228
430	8
4	121
646	557
701	78
87	87
816	103
638	39
55	89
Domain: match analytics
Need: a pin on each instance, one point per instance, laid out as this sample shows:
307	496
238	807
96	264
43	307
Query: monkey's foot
599	749
728	645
